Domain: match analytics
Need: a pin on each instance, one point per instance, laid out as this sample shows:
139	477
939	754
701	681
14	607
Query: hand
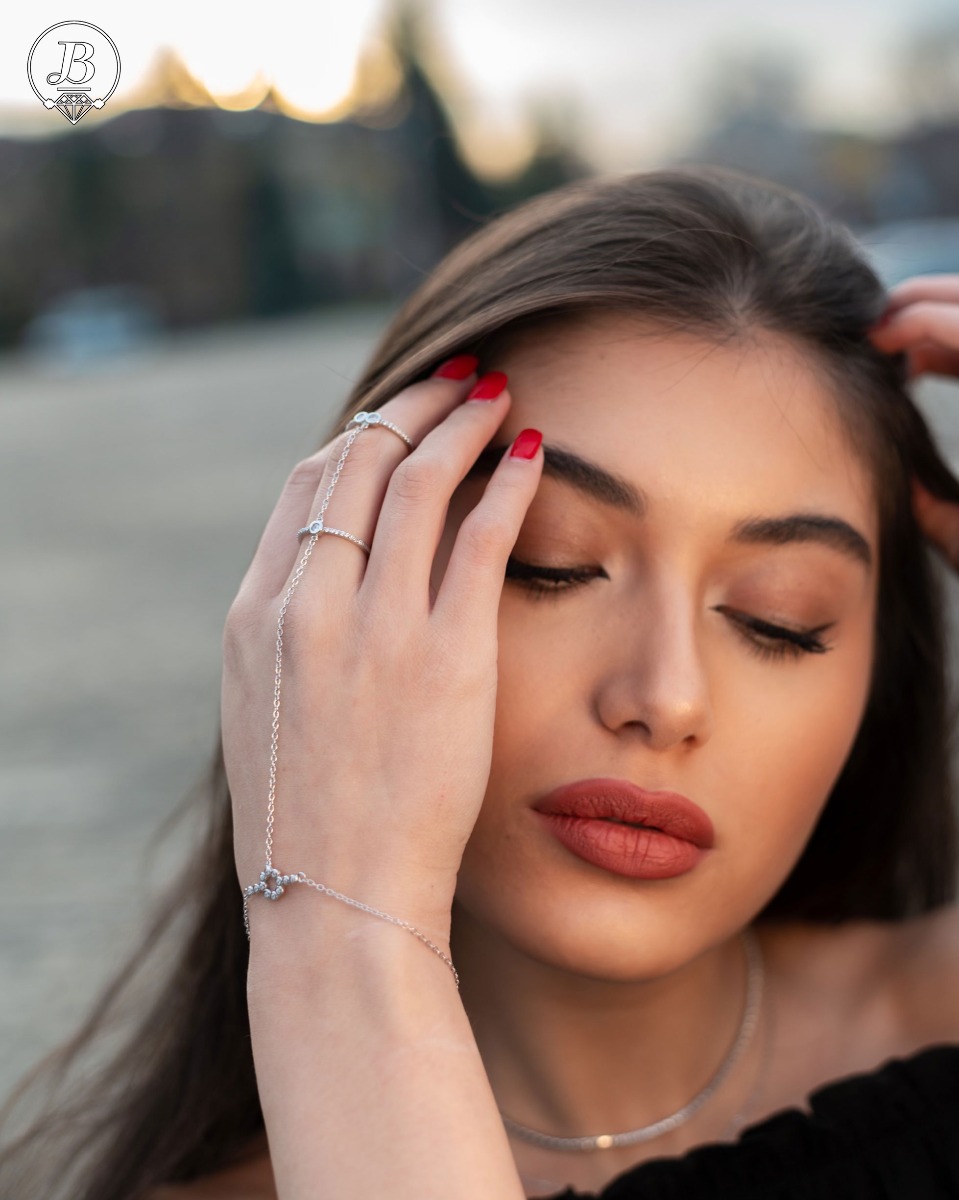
939	522
387	689
922	319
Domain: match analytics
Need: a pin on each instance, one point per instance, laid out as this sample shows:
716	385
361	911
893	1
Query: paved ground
134	499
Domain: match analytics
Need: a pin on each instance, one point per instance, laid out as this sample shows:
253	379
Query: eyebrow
598	484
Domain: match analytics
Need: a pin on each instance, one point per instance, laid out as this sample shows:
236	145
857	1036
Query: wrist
377	971
307	928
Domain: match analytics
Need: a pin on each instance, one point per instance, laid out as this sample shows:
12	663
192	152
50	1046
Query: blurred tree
223	213
455	198
275	278
556	158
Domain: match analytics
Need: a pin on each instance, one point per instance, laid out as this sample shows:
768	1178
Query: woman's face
649	671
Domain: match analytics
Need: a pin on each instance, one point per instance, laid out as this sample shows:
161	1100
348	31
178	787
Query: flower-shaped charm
275	891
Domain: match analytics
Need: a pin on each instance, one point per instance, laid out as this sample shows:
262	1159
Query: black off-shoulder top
890	1134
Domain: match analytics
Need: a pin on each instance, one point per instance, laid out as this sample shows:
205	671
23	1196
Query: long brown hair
696	249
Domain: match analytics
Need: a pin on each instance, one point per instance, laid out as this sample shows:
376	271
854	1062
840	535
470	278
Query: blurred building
224	214
863	179
210	213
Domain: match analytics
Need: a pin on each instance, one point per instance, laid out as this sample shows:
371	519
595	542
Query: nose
653	681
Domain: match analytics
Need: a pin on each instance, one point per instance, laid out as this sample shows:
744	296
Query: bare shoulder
849	996
904	973
924	956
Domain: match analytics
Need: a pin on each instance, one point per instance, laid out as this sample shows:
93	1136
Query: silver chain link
597	1141
280	882
271	801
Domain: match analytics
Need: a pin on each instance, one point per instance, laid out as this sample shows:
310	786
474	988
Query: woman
702	576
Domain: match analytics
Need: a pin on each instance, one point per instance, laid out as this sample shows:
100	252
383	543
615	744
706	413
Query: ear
938	520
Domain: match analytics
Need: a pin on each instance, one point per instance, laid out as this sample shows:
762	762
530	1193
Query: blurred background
192	276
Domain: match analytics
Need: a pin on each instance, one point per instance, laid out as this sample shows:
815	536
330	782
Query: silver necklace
605	1141
739	1119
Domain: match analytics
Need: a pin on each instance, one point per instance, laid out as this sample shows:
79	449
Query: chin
603	940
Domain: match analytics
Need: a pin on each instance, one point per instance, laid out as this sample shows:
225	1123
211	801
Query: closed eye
765	639
550	581
775	641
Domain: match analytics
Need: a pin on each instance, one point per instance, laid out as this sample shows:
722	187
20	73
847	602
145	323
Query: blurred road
135	497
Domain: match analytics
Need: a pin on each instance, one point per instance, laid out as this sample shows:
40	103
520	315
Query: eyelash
791	643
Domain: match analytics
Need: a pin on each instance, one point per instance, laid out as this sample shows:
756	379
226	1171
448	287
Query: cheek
791	742
781	735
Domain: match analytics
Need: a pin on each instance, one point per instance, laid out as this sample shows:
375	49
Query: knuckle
241	609
366	451
306	474
240	629
416	479
485	535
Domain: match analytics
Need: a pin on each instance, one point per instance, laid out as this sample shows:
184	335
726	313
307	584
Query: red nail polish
526	444
457	368
488	386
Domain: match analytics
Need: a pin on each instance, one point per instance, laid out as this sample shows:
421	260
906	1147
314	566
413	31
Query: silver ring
364	420
319	527
368	419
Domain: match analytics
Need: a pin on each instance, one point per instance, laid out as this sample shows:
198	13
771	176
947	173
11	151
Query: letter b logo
73	66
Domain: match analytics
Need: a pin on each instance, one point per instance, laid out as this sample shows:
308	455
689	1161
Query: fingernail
526	444
488	386
457	368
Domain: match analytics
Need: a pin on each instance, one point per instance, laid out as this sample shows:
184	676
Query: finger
272	559
417	499
925	321
280	550
930	359
473	583
942	288
365	475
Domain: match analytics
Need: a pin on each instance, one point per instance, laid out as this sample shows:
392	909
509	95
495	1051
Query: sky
636	73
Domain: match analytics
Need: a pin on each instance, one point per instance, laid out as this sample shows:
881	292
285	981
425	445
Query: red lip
624	801
584	815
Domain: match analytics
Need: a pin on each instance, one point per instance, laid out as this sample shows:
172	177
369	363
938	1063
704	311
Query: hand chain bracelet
272	883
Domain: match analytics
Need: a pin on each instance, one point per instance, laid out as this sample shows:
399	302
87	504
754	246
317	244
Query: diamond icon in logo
73	66
74	105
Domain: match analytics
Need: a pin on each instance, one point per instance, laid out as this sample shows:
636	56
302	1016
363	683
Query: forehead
745	425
